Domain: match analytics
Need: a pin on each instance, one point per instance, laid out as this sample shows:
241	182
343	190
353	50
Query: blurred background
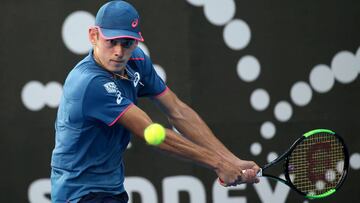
260	73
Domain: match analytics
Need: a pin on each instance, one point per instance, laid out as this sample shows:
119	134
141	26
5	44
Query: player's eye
124	42
112	42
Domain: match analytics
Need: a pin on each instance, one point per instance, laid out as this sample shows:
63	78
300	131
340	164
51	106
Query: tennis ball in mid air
154	134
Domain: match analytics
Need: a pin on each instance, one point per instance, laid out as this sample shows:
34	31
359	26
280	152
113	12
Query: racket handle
258	174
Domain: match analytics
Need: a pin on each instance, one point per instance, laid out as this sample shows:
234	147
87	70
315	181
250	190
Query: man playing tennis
98	112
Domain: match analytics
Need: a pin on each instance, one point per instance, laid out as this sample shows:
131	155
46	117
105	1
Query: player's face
112	54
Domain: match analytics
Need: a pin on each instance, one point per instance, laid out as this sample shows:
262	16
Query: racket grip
258	174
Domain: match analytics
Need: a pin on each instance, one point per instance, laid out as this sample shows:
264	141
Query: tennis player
98	113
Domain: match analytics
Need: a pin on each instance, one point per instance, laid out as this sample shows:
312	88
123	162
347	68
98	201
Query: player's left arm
192	126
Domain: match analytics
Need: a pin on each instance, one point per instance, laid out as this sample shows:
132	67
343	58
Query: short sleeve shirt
88	140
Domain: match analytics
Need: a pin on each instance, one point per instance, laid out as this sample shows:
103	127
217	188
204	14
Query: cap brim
115	34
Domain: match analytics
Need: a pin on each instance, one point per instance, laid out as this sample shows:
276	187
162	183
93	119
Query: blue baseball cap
118	19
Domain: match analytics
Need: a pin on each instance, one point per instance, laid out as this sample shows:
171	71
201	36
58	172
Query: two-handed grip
258	174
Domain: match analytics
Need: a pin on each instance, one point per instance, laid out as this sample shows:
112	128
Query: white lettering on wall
267	195
38	189
193	186
221	194
172	186
143	187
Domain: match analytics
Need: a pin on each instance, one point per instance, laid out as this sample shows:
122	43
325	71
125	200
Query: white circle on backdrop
268	130
32	95
340	166
255	148
330	175
283	111
248	68
301	93
321	78
344	67
53	92
355	161
358	60
144	48
320	185
219	12
259	99
196	2
75	31
292	177
271	156
311	193
160	71
237	34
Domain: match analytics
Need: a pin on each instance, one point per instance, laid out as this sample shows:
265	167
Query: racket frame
285	157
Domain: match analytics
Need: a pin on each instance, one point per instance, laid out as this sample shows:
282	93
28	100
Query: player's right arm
136	120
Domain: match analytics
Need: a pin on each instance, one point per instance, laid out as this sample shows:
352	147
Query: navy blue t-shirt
89	141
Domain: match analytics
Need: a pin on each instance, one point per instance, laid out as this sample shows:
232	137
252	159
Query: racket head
317	165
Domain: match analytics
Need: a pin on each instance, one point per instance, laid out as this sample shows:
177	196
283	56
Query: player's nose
118	50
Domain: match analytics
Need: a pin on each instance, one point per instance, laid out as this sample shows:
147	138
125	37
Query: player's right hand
237	172
249	171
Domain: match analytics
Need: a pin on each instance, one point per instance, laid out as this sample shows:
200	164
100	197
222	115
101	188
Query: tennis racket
315	166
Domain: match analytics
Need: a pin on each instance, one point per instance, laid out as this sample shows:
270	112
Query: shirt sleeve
153	85
104	101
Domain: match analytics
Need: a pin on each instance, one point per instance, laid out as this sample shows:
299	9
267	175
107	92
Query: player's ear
93	35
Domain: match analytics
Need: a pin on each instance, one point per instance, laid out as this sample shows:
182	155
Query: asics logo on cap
135	23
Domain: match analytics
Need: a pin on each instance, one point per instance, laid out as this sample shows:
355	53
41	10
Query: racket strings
317	164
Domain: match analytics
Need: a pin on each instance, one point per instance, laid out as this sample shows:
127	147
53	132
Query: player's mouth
117	61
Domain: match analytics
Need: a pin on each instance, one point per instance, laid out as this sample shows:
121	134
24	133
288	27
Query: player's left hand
250	169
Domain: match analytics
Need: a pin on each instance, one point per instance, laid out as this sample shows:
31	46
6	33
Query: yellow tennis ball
154	134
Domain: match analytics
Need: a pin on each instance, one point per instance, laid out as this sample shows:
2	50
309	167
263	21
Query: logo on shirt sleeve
112	89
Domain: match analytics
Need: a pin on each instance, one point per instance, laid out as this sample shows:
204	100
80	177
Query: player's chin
116	67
